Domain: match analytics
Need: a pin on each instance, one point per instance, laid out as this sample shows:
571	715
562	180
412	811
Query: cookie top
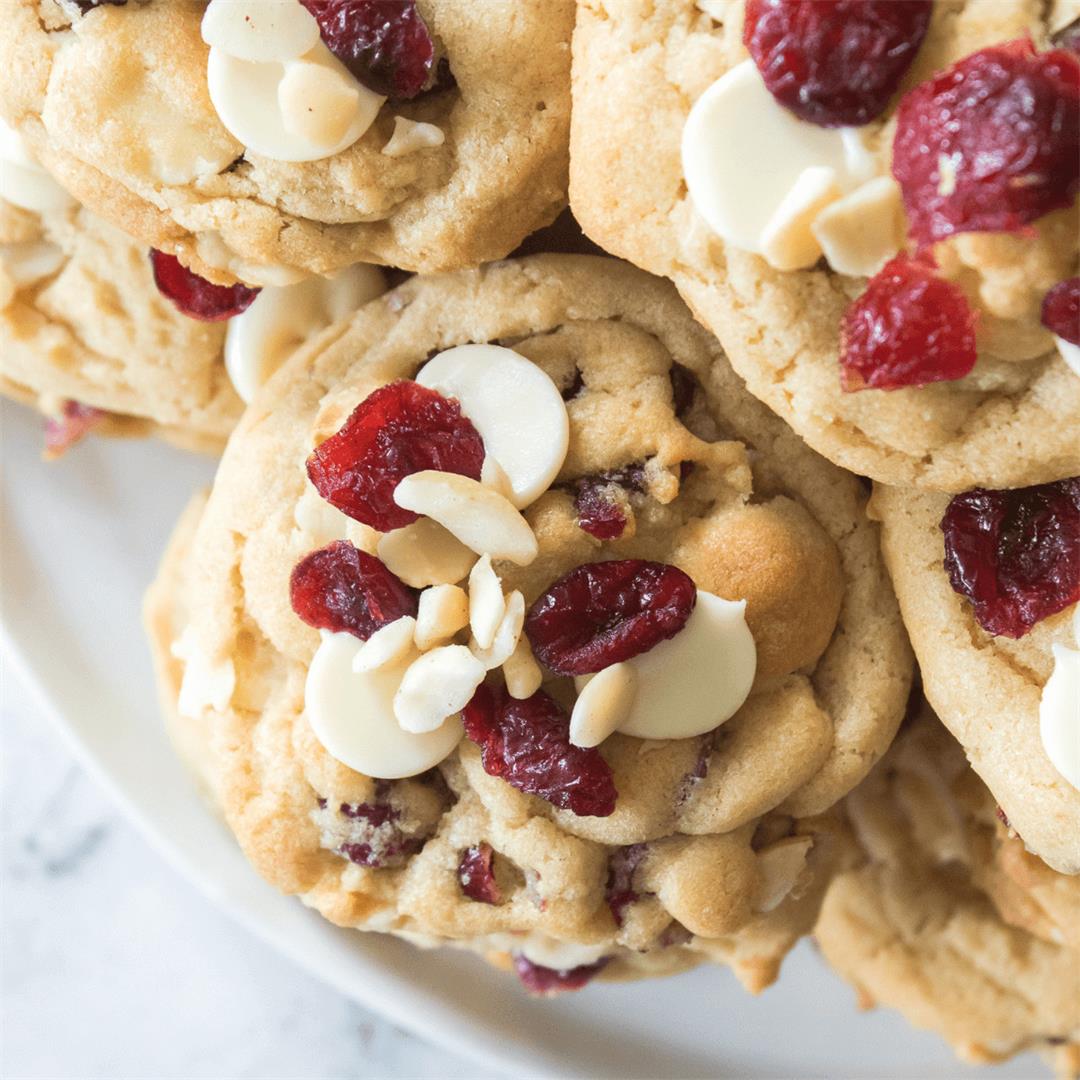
212	157
950	920
699	841
989	688
639	70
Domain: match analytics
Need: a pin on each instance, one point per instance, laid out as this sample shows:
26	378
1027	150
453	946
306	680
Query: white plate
80	541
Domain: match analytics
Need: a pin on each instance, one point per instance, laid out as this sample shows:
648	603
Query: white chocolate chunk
27	263
515	406
443	610
480	518
507	635
23	182
352	715
743	153
245	95
424	553
559	955
389	645
412	135
522	672
1059	710
862	231
436	686
283	316
787	241
206	684
1070	353
317	103
260	29
486	604
603	704
696	680
779	867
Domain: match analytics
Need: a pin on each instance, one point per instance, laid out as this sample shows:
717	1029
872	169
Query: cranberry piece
1006	121
604	612
384	43
194	296
398	430
622	866
88	5
477	876
908	328
834	63
1015	554
369	834
340	588
597	513
74	423
547	982
527	744
1061	310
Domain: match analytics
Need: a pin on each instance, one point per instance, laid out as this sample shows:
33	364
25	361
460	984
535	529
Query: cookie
440	142
565	416
950	920
777	230
998	652
101	334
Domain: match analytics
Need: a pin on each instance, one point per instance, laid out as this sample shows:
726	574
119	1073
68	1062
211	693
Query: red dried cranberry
835	63
908	328
343	589
622	866
369	834
194	296
384	43
1015	554
1006	120
398	430
88	5
527	744
604	612
1061	310
597	512
547	982
477	876
74	423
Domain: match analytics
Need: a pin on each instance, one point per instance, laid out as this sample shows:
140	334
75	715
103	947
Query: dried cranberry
604	612
384	43
1005	122
1015	554
622	866
74	423
547	982
194	296
342	589
88	5
835	63
597	512
398	430
477	876
908	328
1061	310
527	744
369	834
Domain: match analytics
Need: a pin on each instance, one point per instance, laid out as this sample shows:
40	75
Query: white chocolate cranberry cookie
892	269
258	138
102	334
949	919
988	583
514	622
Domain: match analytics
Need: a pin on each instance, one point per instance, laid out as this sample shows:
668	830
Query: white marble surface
115	967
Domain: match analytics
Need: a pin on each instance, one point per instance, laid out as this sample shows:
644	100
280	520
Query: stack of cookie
539	606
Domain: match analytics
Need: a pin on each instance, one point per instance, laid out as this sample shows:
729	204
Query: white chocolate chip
206	684
29	262
389	645
317	103
352	716
522	672
779	867
260	29
486	604
424	553
1070	353
515	406
411	135
787	241
603	704
436	686
862	231
443	610
507	634
23	182
480	518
